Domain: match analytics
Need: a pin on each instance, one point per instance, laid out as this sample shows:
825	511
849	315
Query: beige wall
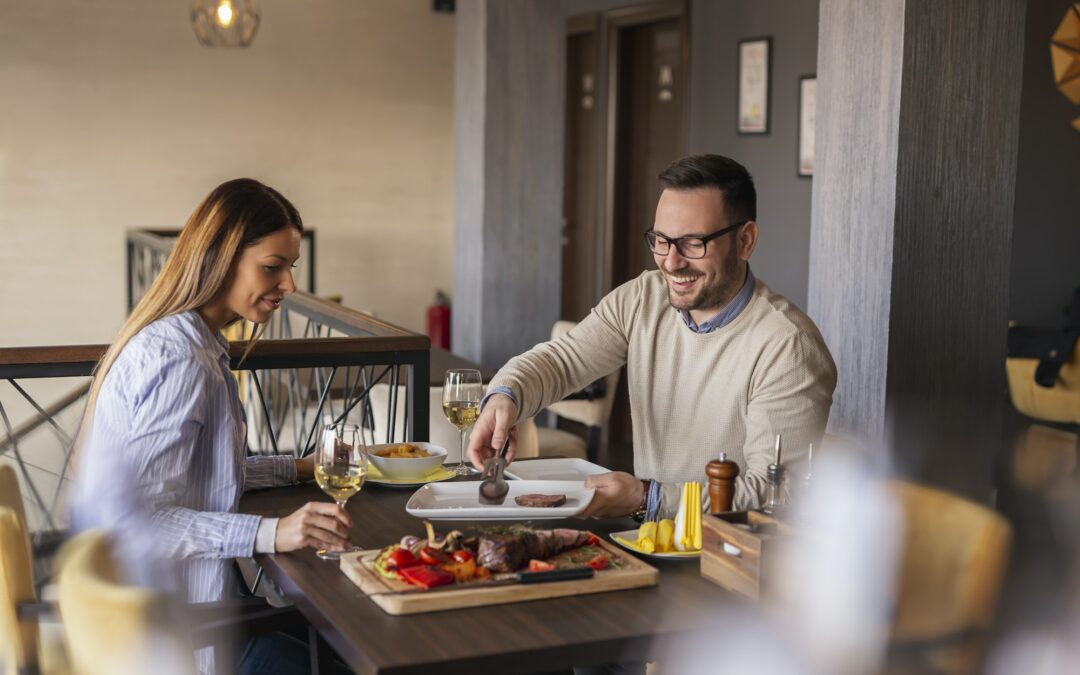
112	116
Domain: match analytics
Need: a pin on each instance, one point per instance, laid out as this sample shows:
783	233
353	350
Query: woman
162	462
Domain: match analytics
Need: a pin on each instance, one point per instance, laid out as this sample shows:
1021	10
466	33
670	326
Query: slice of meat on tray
547	501
511	552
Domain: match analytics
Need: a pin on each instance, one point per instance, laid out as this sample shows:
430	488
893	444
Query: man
716	362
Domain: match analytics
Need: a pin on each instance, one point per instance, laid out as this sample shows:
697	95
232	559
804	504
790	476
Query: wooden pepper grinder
722	473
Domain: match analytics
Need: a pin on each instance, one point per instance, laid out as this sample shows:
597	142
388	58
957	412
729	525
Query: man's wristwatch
639	514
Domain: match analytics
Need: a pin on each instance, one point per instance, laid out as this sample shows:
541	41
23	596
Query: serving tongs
493	487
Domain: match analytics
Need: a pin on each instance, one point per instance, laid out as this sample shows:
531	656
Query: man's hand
305	468
491	429
617	494
315	524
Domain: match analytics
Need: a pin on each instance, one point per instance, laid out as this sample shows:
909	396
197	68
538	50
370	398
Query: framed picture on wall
807	105
753	99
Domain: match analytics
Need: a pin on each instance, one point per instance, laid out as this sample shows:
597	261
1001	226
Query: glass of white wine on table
341	464
462	391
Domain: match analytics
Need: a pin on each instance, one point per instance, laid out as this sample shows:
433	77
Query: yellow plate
440	474
628	540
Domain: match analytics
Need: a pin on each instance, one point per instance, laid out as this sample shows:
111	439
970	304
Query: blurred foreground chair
23	648
955	556
113	628
592	412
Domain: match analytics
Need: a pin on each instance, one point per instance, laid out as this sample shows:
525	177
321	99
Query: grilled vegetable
426	576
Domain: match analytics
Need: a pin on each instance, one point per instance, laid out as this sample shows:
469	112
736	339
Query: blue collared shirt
163	465
729	312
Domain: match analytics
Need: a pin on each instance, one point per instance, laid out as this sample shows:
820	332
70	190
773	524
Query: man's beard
714	295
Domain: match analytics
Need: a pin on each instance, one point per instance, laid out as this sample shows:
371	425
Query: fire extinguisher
438	321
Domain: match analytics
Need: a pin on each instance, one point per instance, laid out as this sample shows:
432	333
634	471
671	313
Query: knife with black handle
568	574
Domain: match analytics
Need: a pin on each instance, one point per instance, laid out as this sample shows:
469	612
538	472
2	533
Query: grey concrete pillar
917	132
508	139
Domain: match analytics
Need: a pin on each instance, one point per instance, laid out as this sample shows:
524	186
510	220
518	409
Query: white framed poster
753	113
807	105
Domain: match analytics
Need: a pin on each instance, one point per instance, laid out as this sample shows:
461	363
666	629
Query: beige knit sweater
693	396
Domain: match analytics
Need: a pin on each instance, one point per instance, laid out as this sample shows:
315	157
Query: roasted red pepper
426	576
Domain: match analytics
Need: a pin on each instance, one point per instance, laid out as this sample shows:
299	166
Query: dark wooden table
527	637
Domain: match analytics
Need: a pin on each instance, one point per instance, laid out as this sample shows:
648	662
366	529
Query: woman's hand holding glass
315	524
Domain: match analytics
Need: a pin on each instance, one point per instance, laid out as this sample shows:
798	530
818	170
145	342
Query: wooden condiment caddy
738	550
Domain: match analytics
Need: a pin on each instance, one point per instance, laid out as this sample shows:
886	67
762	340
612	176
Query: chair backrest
594	413
1060	403
112	627
19	640
955	555
11	496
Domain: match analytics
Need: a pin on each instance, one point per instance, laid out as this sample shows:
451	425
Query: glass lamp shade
224	23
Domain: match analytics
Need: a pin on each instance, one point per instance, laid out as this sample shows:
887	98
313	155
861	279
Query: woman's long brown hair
232	217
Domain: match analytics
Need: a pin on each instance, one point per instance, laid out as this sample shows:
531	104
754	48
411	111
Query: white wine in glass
462	391
340	468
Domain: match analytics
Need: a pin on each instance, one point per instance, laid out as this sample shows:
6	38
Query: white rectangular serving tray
556	468
461	501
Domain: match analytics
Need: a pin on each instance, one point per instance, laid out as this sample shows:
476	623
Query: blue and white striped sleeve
173	461
269	471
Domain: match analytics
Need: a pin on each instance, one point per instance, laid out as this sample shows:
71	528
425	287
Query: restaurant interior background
426	150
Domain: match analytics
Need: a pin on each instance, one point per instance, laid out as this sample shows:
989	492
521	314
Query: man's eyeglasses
688	247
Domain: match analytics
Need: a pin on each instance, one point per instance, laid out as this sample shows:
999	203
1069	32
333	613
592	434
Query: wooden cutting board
359	568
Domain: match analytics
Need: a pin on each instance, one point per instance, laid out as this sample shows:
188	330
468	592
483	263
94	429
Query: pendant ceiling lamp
225	23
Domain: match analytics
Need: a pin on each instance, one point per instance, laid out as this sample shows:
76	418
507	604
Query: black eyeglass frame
704	240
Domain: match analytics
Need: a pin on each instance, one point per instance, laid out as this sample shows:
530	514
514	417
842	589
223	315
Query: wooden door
580	191
626	96
648	117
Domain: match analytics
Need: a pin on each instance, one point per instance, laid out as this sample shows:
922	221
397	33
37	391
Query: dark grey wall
508	146
1046	234
783	255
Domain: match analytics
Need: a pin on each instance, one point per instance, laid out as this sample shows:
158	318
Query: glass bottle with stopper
722	473
775	476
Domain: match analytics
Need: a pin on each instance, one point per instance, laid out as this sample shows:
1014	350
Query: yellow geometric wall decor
1065	56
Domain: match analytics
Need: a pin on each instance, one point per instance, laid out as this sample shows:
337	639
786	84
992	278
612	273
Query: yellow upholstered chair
593	414
19	638
112	628
24	646
955	556
1060	403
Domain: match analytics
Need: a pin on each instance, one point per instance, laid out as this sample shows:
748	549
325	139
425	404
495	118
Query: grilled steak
549	501
510	552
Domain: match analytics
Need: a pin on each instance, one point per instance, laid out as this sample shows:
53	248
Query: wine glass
341	464
461	394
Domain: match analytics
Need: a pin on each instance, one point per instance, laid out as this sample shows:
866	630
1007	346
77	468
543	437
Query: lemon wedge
665	535
680	521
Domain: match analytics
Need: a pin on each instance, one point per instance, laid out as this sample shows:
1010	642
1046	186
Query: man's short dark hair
730	177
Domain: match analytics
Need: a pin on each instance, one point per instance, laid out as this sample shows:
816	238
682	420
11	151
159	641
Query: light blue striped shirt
164	464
